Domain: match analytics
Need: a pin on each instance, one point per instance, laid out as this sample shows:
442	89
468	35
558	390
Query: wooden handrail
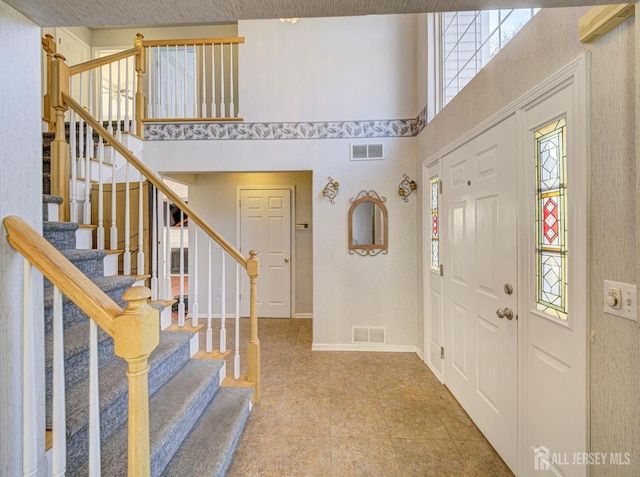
154	179
62	273
105	60
193	41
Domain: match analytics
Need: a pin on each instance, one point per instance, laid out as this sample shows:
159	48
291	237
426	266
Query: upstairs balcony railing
159	80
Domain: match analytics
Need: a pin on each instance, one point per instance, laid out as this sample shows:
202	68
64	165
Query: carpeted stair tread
51	199
227	414
61	235
88	261
106	284
166	360
173	410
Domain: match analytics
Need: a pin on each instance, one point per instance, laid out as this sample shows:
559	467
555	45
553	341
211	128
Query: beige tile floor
353	414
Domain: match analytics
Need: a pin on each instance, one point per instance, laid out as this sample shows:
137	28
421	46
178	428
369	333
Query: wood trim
154	179
91	64
190	120
600	20
193	41
62	273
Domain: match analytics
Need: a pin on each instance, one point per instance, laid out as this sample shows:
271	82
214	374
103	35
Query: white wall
614	370
124	36
20	194
348	290
328	69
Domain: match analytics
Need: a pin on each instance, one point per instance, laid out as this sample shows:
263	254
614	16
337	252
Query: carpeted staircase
194	422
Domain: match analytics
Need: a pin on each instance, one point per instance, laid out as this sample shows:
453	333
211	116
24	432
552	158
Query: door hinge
441	352
440	186
441	270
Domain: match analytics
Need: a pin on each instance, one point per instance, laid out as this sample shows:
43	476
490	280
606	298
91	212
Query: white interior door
265	226
554	411
479	254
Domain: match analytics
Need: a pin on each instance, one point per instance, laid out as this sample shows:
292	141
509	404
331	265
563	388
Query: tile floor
353	414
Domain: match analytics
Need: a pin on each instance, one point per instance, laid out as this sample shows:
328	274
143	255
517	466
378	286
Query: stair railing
61	100
135	332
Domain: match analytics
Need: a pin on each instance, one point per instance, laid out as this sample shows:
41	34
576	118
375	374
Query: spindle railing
96	156
124	326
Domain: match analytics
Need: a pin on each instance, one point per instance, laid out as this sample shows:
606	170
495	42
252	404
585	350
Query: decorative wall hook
331	189
406	187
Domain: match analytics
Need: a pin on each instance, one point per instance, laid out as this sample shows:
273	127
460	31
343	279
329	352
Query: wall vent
363	334
367	152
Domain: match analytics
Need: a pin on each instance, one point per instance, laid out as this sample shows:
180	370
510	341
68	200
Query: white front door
265	226
479	254
554	408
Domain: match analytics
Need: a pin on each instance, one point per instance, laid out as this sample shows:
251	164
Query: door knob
286	260
505	313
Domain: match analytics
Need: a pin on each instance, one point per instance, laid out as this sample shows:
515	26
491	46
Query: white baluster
127	123
119	105
166	84
86	206
94	402
134	90
193	305
30	427
140	268
236	357
154	246
176	100
214	113
195	81
81	157
185	87
59	457
203	112
223	306
167	232
156	82
100	229
232	111
209	301
73	205
223	102
110	96
113	237
127	224
181	302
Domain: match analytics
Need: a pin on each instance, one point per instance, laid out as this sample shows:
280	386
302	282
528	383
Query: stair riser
115	415
71	313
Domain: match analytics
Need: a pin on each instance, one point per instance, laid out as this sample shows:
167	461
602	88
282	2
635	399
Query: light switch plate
629	306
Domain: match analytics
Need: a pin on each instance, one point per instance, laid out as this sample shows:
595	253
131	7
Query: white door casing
265	226
479	253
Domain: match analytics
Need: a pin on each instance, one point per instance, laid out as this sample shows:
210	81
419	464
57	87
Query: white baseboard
364	347
165	318
420	353
303	315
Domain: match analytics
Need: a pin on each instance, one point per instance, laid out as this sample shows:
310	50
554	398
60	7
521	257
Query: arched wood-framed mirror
368	224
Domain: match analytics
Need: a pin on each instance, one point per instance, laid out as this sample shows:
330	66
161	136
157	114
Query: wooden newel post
60	169
141	61
49	47
253	348
136	335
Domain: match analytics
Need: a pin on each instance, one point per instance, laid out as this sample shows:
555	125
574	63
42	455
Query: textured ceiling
96	13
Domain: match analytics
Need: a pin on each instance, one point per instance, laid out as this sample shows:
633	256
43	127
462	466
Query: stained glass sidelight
551	224
435	241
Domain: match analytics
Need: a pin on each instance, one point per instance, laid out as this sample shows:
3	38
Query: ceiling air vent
362	334
367	152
